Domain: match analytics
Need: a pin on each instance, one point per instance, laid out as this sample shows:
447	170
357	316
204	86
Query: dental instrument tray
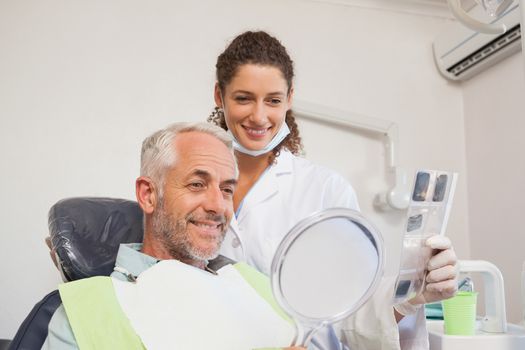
427	215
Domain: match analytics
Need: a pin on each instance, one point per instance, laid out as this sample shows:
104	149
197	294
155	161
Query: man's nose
215	201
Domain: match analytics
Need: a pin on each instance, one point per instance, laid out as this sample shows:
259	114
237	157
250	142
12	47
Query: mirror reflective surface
326	267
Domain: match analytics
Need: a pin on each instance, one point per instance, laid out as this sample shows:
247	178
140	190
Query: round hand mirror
326	268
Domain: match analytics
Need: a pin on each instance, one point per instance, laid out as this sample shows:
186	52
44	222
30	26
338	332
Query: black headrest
86	233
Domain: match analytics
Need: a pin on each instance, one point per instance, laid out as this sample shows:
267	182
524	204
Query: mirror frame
287	242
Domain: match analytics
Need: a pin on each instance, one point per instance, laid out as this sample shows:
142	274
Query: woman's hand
441	278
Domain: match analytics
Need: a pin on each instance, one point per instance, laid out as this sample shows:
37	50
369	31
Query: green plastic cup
459	313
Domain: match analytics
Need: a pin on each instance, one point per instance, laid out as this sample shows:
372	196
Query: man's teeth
206	226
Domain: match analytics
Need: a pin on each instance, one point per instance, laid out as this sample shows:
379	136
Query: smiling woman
256	101
254	96
256	72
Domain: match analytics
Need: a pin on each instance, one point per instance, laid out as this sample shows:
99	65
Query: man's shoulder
60	335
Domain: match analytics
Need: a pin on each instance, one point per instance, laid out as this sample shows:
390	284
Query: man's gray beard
174	237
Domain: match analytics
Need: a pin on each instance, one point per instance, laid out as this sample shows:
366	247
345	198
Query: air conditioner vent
507	40
460	53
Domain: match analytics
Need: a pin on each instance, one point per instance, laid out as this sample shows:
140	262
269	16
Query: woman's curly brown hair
262	49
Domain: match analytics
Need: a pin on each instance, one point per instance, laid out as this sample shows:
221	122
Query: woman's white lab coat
289	191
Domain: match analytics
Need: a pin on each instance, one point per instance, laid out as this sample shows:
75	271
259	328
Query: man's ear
146	194
217	96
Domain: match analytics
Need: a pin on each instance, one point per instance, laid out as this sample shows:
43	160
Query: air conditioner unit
461	53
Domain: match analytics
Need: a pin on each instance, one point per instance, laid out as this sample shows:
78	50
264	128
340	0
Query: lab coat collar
268	184
284	163
234	226
239	246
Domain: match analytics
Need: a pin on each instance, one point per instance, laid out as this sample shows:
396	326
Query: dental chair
85	233
84	236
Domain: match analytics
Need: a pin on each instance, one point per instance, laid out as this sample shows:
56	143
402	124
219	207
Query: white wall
83	82
494	104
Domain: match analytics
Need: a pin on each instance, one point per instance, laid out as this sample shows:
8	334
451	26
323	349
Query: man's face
192	217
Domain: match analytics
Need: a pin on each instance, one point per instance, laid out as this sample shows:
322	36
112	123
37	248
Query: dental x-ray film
427	215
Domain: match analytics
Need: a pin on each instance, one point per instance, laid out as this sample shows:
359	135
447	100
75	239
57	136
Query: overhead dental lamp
494	8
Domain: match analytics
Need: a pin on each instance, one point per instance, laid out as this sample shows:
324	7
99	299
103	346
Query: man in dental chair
188	175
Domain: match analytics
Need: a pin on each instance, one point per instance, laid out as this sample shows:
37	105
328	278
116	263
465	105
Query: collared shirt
130	259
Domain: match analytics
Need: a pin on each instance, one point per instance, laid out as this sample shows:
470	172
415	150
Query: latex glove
441	279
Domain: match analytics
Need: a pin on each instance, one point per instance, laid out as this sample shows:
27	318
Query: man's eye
196	185
228	191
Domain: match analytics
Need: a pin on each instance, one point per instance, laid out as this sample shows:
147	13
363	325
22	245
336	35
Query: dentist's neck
252	166
250	170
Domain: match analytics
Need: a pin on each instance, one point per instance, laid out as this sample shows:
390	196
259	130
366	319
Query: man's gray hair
159	154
